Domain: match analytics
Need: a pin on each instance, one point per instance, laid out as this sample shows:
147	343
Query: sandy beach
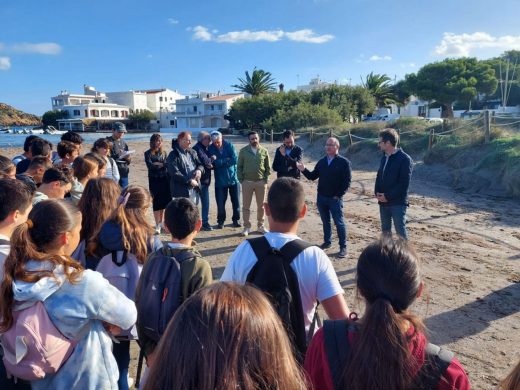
470	250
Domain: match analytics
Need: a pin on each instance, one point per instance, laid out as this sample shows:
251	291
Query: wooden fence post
311	136
350	137
487	126
272	135
430	140
330	133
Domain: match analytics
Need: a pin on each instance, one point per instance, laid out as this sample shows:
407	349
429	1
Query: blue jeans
204	200
398	215
121	353
123	182
330	206
221	194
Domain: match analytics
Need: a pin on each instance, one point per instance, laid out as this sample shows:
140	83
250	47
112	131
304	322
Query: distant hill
10	116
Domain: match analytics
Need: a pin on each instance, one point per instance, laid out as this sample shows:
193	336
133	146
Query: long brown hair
153	139
224	337
130	216
29	241
103	193
388	279
512	381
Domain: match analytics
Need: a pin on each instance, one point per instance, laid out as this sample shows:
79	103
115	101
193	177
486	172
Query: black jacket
180	176
154	170
202	153
119	146
395	180
285	166
334	178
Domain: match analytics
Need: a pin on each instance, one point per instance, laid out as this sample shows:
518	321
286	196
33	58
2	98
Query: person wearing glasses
392	183
335	174
185	169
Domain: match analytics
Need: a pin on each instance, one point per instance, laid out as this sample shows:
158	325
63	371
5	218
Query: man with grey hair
334	173
224	160
201	147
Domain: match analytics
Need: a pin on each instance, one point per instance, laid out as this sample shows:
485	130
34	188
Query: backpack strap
293	248
117	262
337	347
181	256
436	362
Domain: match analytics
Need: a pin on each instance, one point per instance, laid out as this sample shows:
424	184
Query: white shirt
317	278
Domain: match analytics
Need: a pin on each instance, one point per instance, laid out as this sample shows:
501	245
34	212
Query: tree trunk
447	110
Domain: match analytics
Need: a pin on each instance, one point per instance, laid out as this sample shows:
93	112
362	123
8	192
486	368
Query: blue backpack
159	291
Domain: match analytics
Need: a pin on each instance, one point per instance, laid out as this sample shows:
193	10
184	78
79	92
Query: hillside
10	116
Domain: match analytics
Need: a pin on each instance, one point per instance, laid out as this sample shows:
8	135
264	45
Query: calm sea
16	140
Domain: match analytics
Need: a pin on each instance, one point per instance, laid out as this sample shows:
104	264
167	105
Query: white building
204	113
314	84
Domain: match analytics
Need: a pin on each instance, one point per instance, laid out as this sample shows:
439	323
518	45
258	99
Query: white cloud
408	65
173	21
149	56
5	63
460	45
375	57
202	33
48	48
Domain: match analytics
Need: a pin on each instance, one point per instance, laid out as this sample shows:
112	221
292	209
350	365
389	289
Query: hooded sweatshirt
78	310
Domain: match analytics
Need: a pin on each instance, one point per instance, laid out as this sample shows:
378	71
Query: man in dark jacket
287	156
119	152
201	147
185	169
334	173
224	157
392	182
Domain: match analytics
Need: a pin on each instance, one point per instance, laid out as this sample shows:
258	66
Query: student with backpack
225	337
279	261
71	309
171	275
387	348
102	148
124	241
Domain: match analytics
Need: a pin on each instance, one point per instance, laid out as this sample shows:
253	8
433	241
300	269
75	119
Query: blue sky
49	46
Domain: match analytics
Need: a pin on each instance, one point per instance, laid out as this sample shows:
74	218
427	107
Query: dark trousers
121	353
221	194
328	207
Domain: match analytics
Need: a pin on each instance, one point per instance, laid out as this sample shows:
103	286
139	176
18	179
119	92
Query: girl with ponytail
387	348
81	304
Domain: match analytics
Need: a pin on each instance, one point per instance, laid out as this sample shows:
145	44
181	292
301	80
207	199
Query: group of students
200	334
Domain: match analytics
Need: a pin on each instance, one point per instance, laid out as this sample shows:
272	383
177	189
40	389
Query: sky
190	46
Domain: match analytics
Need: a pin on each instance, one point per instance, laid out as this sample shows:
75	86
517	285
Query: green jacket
253	167
195	274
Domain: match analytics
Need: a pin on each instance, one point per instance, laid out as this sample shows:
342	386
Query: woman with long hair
127	229
103	193
512	381
158	181
387	347
102	148
225	336
81	304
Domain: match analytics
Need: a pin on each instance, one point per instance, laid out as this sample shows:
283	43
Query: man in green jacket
253	170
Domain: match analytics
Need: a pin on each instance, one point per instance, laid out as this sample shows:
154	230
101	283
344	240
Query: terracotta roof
223	97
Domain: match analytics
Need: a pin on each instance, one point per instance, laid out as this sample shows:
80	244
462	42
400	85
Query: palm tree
380	88
259	83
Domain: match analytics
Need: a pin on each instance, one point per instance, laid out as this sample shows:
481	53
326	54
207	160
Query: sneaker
342	252
220	226
326	245
237	224
206	227
245	232
261	229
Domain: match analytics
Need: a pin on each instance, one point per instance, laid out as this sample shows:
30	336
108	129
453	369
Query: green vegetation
141	119
259	83
380	88
10	116
50	118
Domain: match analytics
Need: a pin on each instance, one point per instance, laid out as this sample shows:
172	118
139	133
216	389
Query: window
94	113
86	113
105	113
212	107
194	108
114	113
77	112
160	98
172	123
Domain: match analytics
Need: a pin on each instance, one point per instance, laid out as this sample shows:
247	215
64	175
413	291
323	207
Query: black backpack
337	348
273	274
159	291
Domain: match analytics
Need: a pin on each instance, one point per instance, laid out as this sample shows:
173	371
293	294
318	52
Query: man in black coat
392	183
287	156
185	169
335	174
201	147
119	152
